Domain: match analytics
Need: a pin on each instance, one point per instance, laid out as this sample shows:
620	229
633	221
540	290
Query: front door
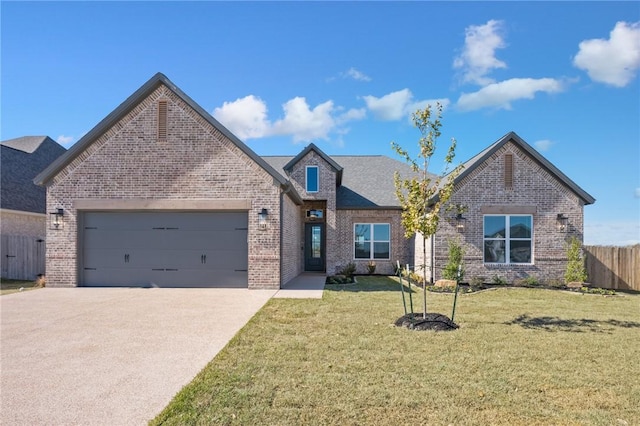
314	247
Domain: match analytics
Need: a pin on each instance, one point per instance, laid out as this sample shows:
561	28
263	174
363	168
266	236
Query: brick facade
196	162
534	189
326	192
401	248
292	241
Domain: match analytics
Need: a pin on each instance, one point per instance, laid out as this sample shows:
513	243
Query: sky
346	76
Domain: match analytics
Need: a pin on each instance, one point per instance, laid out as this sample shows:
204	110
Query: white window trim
306	179
507	239
371	243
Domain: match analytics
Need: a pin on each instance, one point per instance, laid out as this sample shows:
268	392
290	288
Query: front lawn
520	356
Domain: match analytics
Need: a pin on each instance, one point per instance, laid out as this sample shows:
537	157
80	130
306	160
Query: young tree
421	196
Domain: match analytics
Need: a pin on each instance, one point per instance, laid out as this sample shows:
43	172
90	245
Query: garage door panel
203	240
165	249
125	239
206	259
202	221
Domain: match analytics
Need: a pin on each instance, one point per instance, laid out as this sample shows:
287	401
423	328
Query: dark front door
314	247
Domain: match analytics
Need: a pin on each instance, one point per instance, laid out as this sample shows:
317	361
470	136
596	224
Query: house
519	213
159	193
22	204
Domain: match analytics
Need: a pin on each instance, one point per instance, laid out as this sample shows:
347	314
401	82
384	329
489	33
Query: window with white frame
508	238
372	240
312	179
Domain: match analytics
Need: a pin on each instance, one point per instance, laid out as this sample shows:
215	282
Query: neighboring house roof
22	159
474	162
367	180
131	102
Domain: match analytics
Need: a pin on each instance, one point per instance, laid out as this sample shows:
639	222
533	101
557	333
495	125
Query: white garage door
164	249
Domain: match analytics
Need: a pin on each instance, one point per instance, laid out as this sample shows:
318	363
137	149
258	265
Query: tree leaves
420	196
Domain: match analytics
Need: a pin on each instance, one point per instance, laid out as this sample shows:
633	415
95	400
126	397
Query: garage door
164	249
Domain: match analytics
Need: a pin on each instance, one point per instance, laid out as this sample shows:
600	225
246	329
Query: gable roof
367	180
22	159
311	147
129	104
474	162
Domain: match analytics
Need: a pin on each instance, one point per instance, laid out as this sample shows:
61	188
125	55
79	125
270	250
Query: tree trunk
424	277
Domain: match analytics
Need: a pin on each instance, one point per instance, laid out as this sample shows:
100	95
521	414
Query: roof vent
162	121
508	171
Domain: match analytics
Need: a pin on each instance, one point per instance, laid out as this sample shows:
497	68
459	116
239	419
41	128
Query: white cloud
399	104
245	117
637	193
356	75
304	123
352	115
500	95
65	141
391	106
543	145
478	55
614	61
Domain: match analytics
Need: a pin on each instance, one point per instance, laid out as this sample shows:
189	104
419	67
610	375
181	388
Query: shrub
456	253
529	281
416	278
576	271
596	290
339	279
478	281
348	270
371	267
499	280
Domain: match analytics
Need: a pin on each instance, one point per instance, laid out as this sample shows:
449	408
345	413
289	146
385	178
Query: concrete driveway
110	355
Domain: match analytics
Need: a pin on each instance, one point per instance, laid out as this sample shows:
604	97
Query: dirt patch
430	321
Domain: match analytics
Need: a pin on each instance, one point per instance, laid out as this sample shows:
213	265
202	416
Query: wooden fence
23	258
613	267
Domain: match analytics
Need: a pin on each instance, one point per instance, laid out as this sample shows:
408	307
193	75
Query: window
372	240
508	238
313	180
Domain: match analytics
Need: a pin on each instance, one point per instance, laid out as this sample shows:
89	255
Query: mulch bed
433	321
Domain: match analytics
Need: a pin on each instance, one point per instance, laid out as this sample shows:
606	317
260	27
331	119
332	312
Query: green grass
13	286
521	356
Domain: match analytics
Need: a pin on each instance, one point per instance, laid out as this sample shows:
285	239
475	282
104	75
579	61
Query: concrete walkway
307	285
110	356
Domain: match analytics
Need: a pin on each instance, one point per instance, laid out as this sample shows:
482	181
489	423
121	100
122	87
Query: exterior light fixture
563	222
262	218
56	217
460	222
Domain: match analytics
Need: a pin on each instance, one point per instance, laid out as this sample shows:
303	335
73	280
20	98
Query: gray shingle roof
22	159
367	180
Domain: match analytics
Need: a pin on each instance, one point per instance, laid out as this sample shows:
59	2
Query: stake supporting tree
422	196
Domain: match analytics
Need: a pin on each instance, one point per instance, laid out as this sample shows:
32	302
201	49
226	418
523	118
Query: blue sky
346	76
